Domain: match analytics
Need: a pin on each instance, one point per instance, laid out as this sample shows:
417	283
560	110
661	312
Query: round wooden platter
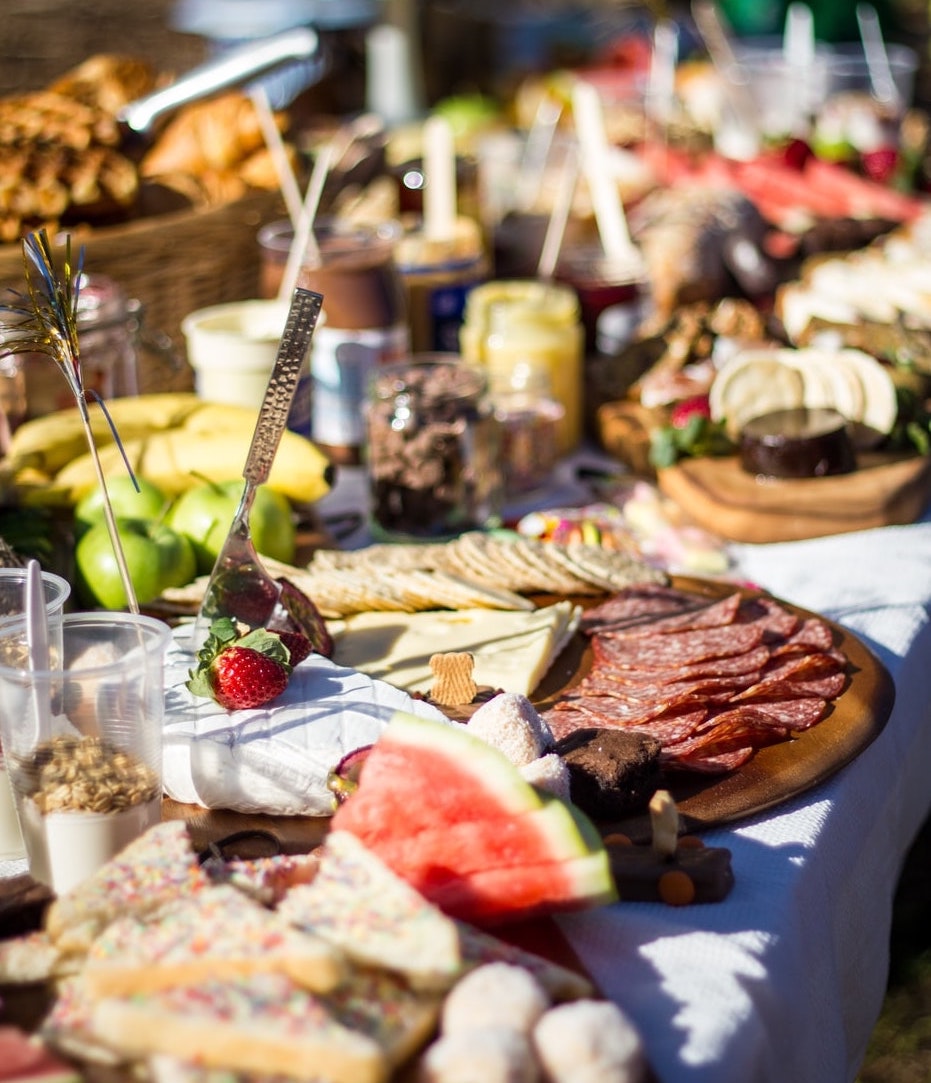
884	490
775	773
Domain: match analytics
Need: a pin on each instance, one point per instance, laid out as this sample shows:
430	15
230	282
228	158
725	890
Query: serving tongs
139	119
239	586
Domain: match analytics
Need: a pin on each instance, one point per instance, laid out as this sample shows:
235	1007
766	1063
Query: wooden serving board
718	495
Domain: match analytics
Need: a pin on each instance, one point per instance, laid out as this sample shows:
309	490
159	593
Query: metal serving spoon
239	586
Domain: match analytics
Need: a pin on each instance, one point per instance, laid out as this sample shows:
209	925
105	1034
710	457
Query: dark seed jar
433	450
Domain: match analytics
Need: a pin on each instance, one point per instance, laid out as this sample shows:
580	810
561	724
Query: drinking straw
596	168
439	166
662	80
877	57
798	53
536	153
716	39
304	242
37	640
559	215
287	181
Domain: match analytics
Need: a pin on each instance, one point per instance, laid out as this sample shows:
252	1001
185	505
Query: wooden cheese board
715	493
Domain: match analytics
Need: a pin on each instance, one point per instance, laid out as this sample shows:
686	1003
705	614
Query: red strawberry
240	671
880	164
299	646
688	408
796	153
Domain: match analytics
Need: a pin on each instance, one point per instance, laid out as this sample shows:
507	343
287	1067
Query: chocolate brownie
612	772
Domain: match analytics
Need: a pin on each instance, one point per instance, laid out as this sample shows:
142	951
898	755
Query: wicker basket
173	264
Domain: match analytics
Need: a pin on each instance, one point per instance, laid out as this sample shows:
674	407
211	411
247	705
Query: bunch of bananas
173	439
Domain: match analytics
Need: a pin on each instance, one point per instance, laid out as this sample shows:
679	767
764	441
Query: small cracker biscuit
453	684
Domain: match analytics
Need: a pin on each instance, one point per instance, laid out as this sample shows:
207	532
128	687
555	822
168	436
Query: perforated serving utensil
239	585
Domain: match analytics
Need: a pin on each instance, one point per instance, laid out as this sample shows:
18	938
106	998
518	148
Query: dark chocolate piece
612	772
693	874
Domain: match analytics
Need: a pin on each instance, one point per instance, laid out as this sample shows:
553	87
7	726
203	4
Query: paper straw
876	55
304	242
287	181
798	53
536	153
598	172
439	194
559	216
661	88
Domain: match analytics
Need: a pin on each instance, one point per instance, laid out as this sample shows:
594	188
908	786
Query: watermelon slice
452	816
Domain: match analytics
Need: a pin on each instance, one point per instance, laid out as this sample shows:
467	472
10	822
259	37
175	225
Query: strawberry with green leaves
240	671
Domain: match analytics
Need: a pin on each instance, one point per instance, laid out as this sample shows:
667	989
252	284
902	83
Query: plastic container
83	744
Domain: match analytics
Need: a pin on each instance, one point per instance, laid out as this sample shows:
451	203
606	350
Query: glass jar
433	451
529	326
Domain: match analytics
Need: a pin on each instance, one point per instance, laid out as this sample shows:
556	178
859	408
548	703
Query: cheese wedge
512	650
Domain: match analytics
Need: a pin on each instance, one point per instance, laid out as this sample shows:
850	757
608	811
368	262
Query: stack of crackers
472	571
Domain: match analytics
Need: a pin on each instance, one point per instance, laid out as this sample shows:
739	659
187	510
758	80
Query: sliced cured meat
719	764
714	615
776	621
736	727
638	604
794	713
674	726
813	634
678	648
734	665
705	689
614	712
829	686
860	196
793	669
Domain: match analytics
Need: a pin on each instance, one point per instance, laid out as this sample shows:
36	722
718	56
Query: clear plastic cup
83	743
12	648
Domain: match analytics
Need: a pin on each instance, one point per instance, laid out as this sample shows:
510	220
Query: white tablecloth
784	980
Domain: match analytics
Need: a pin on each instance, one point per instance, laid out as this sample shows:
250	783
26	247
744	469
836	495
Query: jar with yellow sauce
529	327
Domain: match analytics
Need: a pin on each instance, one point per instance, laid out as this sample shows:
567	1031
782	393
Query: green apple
157	557
128	502
204	514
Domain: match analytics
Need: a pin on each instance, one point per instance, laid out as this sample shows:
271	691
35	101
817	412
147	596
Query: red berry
688	408
243	678
880	164
796	153
240	671
299	646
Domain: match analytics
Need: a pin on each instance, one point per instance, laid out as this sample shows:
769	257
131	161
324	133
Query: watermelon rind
498	895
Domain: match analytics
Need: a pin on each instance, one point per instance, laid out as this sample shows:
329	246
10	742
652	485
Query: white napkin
273	759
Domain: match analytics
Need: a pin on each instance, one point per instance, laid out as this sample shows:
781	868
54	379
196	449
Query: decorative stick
48	318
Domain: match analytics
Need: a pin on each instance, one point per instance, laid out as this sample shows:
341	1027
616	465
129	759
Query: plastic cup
232	349
848	71
13	648
83	743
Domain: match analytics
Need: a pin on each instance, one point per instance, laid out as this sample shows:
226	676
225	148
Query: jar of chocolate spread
433	450
363	325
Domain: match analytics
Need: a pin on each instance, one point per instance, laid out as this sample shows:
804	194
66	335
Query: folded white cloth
273	759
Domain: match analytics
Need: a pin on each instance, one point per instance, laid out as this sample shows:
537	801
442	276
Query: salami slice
786	672
776	621
638	604
706	689
735	665
713	615
720	764
794	713
813	634
679	648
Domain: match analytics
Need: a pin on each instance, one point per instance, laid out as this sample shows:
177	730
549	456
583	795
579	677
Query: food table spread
784	979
